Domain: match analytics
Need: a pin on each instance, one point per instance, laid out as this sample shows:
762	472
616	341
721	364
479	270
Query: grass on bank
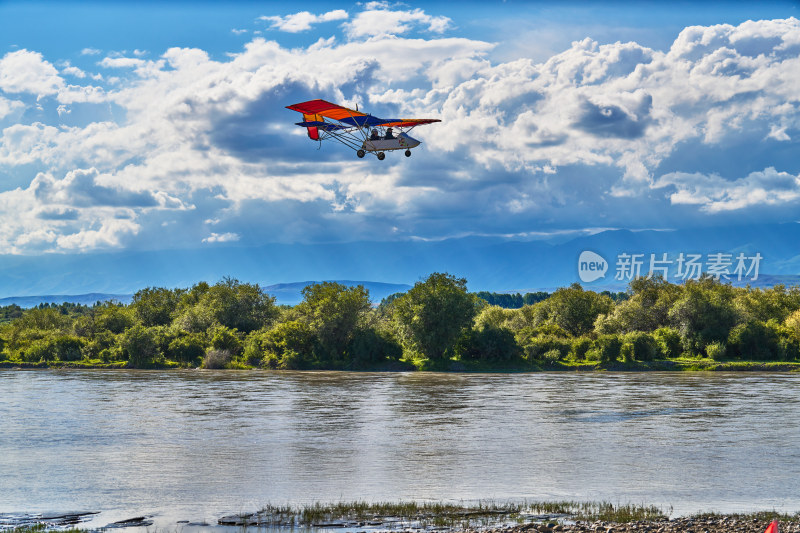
448	514
440	514
40	528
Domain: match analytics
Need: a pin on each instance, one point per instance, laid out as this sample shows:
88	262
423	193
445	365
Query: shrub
492	316
580	346
140	346
754	340
668	341
253	348
716	350
61	348
288	345
67	348
626	352
371	346
536	347
607	348
487	344
552	356
551	329
789	345
217	359
109	354
187	349
39	350
102	340
224	338
114	318
644	346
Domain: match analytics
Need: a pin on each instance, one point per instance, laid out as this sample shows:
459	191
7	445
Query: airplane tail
773	527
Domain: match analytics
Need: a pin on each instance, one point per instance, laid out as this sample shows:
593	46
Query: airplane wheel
360	153
408	153
381	156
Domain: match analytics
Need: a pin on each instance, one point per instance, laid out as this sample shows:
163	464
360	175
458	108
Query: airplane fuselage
401	142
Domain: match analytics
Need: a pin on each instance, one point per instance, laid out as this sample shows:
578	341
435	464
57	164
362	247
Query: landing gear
381	156
361	153
408	153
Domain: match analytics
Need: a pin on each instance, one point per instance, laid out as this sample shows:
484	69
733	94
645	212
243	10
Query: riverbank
679	365
493	517
410	517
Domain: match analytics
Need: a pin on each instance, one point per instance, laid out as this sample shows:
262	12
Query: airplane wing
407	122
316	111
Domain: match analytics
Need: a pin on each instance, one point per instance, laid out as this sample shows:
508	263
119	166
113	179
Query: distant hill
83	299
291	293
488	263
284	293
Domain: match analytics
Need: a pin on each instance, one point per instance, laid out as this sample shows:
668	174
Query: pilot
374	135
389	134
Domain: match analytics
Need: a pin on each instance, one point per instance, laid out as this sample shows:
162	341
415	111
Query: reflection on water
195	445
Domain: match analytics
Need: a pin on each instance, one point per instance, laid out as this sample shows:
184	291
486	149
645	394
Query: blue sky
162	125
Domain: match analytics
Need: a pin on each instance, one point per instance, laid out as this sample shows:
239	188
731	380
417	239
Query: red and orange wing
315	111
408	122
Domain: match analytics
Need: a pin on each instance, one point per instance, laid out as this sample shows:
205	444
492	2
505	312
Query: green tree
434	313
755	340
716	350
773	303
644	346
370	346
223	338
489	344
580	345
242	306
669	342
574	309
67	347
335	313
543	347
492	316
646	309
187	349
606	349
113	317
140	345
287	345
156	306
703	314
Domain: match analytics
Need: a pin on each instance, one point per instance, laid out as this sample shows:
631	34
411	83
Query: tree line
437	324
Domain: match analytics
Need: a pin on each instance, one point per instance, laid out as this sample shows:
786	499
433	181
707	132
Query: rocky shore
722	524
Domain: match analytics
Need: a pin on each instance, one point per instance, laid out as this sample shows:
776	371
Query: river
195	445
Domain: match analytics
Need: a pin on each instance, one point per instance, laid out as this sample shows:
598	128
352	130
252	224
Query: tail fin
313	131
773	527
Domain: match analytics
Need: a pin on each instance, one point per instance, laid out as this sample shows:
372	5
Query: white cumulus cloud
24	71
715	194
9	106
221	237
303	20
378	20
630	134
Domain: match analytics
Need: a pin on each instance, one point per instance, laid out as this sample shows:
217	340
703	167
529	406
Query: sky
150	125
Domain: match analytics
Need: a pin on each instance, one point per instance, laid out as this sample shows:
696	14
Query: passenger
389	134
374	136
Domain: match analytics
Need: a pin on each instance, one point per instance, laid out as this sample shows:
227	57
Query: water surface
194	445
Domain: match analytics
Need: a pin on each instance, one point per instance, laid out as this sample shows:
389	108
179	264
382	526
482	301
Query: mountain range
488	263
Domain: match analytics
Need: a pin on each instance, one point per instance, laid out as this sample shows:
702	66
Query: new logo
591	266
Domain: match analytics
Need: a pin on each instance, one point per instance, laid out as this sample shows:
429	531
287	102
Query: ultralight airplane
360	131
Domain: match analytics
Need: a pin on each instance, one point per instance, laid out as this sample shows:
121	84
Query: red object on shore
772	527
